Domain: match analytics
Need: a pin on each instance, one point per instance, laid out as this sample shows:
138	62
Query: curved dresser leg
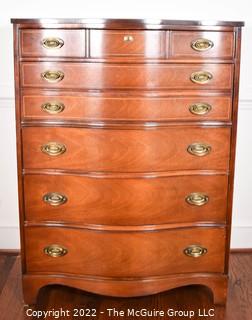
30	291
219	289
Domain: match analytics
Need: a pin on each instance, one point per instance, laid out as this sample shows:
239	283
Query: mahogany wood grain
123	106
127	43
120	201
233	142
127	76
31	43
180	45
126	150
21	195
125	23
140	254
125	144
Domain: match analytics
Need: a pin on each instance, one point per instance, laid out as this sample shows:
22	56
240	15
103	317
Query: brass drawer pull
199	149
54	199
128	38
202	44
53	148
195	251
200	109
52	43
197	199
52	76
201	77
53	107
55	251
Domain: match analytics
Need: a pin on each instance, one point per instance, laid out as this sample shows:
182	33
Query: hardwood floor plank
240	287
11	301
6	263
9	252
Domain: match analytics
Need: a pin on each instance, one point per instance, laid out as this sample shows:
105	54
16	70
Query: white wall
178	9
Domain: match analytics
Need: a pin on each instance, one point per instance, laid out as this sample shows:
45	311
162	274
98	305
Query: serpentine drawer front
106	199
126	150
126	143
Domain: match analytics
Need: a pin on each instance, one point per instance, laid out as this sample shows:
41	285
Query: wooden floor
239	304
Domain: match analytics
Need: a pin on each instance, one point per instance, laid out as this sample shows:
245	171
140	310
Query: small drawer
127	43
127	150
126	76
123	107
142	200
52	43
201	45
124	254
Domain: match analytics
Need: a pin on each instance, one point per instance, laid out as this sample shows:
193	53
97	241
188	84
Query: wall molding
9	102
241	251
245	104
11	252
9	237
241	237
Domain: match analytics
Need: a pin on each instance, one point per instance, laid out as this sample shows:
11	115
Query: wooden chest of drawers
126	144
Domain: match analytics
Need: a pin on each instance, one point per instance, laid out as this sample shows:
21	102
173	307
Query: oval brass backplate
53	107
200	108
197	199
202	44
52	76
52	43
54	198
53	148
195	251
201	77
199	149
55	251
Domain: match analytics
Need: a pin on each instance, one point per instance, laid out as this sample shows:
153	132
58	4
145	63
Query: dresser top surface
129	23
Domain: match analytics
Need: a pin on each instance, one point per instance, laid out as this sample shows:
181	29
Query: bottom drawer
124	253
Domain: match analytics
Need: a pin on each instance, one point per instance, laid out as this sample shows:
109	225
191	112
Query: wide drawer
112	200
126	150
138	76
201	45
123	106
52	43
127	43
123	254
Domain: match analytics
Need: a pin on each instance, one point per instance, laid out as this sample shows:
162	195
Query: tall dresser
126	136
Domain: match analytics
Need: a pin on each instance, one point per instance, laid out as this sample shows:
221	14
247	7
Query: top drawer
127	43
52	43
201	45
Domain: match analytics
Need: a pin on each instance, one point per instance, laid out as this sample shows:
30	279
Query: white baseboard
241	237
9	237
7	102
